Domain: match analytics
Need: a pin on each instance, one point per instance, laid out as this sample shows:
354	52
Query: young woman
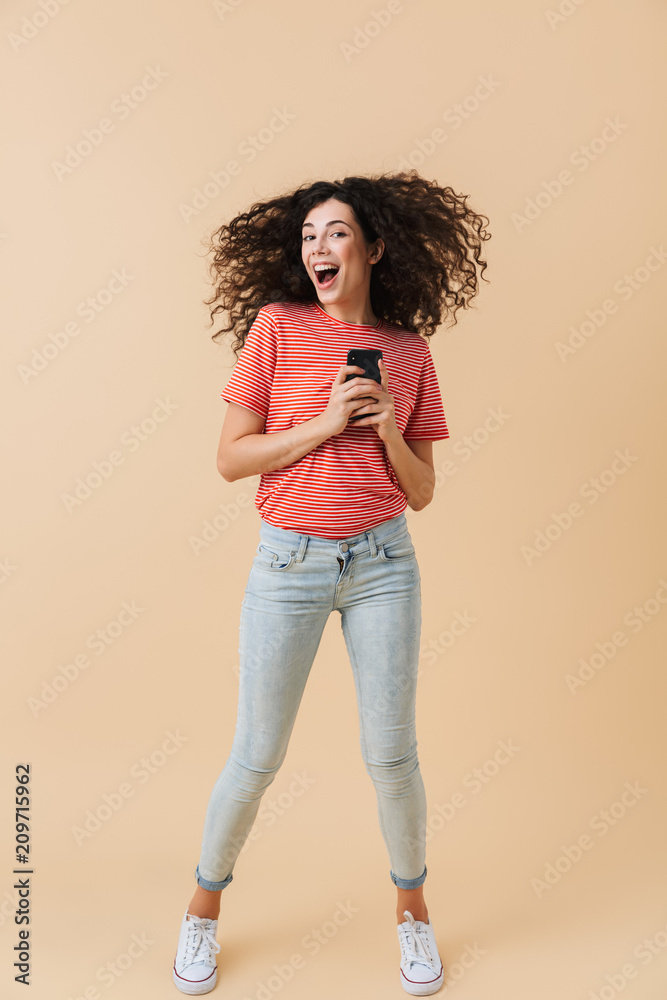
366	262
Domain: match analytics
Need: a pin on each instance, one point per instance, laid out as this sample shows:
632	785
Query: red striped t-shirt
285	371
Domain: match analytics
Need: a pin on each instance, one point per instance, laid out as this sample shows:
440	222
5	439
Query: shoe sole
195	989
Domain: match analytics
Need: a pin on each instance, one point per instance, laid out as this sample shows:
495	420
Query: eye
310	236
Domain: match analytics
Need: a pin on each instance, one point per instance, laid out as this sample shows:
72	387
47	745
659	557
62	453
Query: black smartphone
368	360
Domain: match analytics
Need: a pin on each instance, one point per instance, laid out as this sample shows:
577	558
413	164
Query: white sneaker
195	969
421	969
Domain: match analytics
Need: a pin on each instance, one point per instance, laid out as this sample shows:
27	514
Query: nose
318	257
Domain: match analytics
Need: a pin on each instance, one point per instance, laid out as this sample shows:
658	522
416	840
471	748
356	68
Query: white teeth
323	267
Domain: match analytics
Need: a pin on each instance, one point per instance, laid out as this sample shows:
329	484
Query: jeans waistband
273	535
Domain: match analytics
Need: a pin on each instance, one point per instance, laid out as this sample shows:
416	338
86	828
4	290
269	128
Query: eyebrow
328	223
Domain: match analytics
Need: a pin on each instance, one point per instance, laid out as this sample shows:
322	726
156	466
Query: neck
347	313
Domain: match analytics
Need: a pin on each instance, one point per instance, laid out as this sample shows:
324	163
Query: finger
342	373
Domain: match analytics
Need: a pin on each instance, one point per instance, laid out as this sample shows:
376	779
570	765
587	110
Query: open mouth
326	276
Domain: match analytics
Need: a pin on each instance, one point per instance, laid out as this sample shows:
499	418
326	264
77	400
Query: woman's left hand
381	415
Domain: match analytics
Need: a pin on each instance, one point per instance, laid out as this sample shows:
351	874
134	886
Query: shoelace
415	943
200	944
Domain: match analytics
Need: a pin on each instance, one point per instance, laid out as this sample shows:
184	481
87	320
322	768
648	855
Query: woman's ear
377	252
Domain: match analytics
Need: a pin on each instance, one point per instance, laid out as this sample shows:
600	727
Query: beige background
362	99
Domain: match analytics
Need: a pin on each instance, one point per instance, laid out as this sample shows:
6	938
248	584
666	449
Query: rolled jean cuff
408	883
211	886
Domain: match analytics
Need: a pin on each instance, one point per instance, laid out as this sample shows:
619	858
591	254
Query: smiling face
332	236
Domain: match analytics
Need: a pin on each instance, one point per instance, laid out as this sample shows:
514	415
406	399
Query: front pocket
395	549
272	558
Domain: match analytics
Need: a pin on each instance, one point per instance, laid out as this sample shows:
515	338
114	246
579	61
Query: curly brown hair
429	266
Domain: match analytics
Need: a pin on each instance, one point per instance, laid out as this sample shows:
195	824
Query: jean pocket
396	549
273	558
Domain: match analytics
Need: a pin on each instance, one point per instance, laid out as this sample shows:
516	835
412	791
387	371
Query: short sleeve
427	420
251	380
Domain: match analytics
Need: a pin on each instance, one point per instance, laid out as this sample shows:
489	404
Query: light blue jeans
295	582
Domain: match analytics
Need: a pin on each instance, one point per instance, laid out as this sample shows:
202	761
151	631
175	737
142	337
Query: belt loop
302	548
371	543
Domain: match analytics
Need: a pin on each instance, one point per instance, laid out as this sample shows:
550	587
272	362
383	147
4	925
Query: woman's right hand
346	397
